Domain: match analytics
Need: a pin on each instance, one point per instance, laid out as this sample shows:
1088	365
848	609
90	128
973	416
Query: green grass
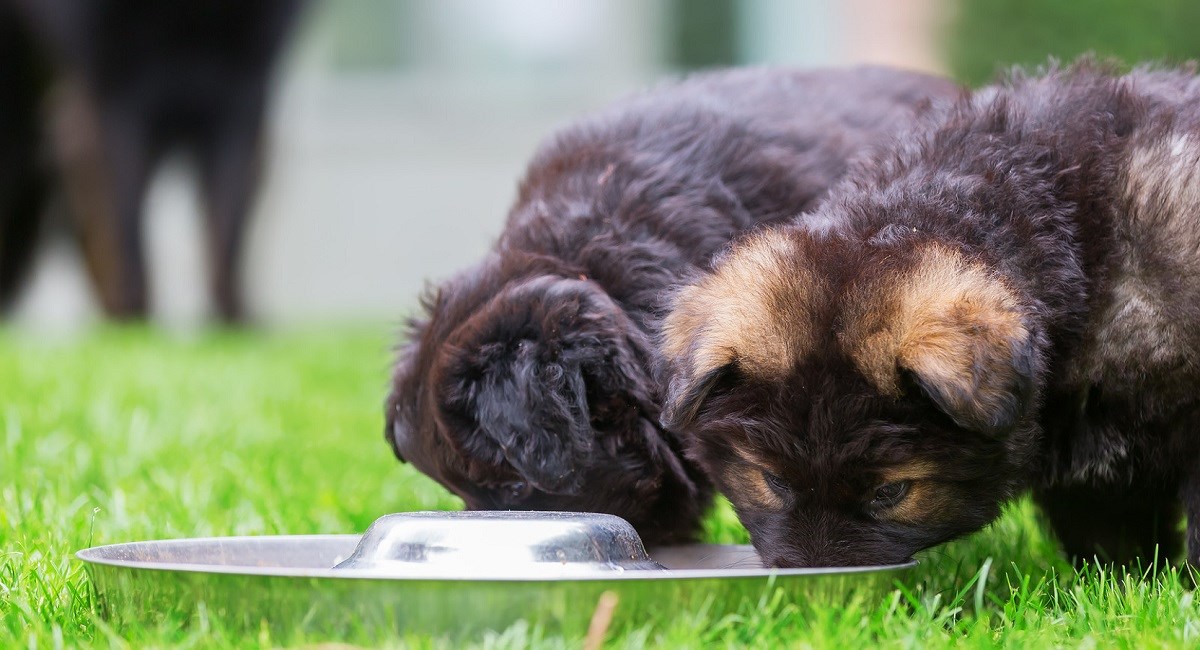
986	37
129	434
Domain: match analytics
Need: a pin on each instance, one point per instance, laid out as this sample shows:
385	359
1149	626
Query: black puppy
144	77
527	383
1009	299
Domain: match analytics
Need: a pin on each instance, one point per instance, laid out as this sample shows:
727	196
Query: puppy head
533	394
857	400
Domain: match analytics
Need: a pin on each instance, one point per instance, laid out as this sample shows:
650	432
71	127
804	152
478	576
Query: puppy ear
751	315
395	425
393	433
400	419
693	359
686	393
959	333
978	374
535	377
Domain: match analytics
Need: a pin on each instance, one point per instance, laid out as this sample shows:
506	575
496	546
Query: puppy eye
778	485
517	490
890	494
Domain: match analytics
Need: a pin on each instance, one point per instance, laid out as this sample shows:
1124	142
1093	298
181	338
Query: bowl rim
102	555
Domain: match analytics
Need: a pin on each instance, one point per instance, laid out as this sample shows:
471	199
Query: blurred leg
1122	525
1189	494
22	200
22	182
106	161
230	167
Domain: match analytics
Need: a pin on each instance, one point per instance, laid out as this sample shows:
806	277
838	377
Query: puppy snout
569	486
815	560
808	561
819	540
834	555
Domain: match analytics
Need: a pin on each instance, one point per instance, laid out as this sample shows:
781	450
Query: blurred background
397	128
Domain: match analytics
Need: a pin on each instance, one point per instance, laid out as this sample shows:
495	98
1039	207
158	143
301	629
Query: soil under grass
129	434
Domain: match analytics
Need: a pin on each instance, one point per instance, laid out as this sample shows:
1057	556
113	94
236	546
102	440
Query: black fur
527	384
1094	403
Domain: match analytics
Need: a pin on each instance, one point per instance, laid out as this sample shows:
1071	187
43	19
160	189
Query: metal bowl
513	545
414	574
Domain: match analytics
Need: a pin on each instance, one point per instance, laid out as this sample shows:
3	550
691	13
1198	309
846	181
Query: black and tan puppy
142	79
527	383
1008	300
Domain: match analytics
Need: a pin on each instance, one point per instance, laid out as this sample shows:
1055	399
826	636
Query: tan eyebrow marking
927	501
748	481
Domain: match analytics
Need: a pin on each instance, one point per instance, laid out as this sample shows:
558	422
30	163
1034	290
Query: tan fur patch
753	310
912	471
749	457
924	502
941	320
1163	181
1158	238
747	482
927	502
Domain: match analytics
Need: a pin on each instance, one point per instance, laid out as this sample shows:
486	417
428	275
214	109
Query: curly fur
527	383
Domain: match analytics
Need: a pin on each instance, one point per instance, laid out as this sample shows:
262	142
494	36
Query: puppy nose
787	561
799	562
810	558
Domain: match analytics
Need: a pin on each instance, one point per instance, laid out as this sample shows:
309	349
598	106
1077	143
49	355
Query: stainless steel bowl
515	545
377	585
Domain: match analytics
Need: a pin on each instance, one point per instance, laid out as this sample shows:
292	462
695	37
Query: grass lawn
129	434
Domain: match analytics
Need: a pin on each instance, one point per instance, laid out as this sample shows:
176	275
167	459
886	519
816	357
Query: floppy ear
962	337
396	429
400	418
537	375
686	393
751	315
980	374
393	432
695	357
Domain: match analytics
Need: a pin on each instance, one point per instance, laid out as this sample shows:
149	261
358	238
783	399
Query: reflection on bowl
478	544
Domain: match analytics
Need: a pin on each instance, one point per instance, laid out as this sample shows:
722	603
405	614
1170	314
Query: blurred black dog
24	180
143	77
528	382
1010	299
